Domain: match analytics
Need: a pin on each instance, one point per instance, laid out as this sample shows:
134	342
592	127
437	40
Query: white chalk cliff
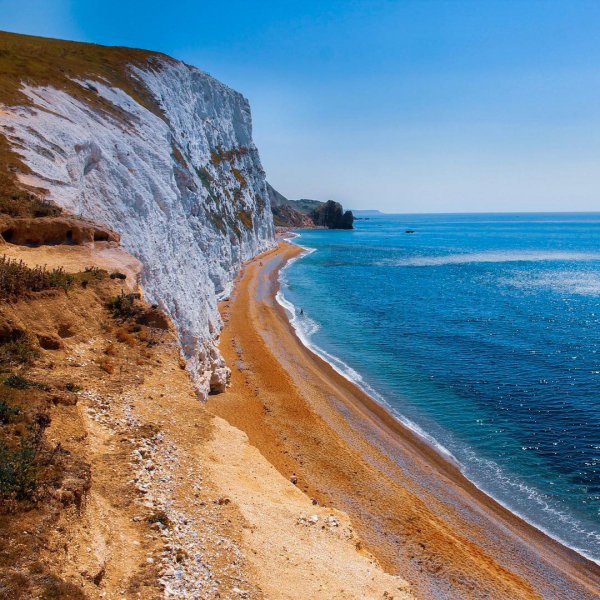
177	176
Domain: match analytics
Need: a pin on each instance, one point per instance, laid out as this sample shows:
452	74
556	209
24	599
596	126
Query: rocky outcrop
331	215
157	151
40	231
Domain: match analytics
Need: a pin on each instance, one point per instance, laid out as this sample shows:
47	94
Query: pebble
156	466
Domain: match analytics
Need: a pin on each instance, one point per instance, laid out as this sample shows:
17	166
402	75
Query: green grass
17	352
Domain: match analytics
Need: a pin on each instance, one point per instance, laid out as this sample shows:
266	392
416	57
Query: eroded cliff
157	151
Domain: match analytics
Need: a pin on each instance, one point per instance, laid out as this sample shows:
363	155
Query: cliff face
161	153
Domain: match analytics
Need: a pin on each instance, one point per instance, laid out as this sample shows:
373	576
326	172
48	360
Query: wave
305	328
495	474
488	257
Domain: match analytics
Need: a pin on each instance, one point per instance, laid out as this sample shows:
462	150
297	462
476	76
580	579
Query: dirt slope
178	503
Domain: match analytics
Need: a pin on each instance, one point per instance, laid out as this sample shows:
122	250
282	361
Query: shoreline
416	430
414	509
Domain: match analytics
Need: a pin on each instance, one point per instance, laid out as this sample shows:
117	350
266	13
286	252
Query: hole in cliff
65	331
69	237
100	236
8	235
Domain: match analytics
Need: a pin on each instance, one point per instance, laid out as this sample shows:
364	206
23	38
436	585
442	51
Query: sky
402	106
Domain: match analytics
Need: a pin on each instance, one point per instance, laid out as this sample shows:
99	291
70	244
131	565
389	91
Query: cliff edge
151	148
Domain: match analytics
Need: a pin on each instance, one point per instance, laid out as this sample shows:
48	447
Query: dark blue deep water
483	332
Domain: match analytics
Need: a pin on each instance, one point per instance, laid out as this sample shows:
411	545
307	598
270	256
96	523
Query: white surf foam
495	472
305	327
489	257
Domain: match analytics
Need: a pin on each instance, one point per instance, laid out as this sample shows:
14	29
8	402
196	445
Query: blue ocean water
483	332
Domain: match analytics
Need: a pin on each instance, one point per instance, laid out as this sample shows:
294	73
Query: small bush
160	516
7	412
118	275
90	274
110	350
20	466
107	366
125	338
18	352
123	306
72	387
17	279
21	383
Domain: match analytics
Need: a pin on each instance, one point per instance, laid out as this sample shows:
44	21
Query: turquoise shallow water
483	333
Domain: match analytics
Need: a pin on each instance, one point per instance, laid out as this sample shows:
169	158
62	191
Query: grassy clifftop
48	62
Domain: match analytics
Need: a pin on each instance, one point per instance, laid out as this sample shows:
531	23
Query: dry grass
107	365
47	61
44	61
17	279
125	337
240	178
246	218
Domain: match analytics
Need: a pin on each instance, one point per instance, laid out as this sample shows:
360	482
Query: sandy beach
412	509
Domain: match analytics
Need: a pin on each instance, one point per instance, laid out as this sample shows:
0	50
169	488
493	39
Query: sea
481	332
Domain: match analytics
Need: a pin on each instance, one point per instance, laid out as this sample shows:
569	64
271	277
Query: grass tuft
17	279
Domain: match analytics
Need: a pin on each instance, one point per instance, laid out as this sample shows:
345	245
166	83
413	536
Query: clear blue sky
407	106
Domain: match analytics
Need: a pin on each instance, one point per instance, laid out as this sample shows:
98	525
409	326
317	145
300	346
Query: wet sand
413	509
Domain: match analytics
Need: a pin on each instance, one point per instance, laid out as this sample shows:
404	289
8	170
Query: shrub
125	338
17	279
18	352
7	412
110	350
160	516
90	274
22	204
123	306
21	383
107	366
72	387
118	275
20	466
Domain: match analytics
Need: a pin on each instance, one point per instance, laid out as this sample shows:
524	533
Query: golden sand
413	510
